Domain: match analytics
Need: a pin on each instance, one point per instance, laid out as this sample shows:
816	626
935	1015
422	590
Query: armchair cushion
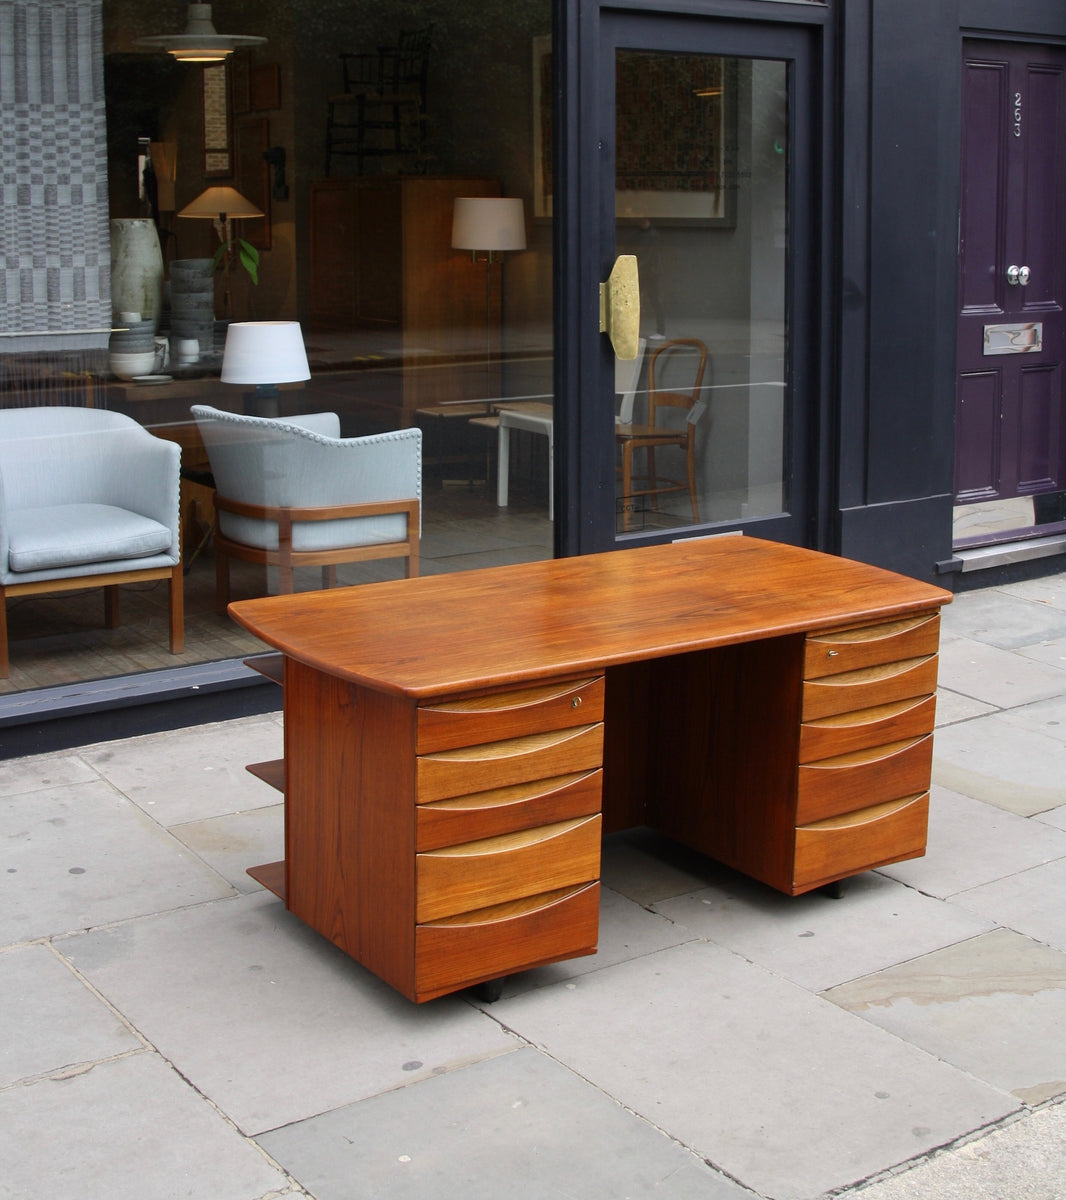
53	537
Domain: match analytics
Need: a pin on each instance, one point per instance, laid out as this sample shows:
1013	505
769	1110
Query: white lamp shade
263	352
488	223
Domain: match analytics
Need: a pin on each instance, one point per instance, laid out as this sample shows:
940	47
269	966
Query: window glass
399	156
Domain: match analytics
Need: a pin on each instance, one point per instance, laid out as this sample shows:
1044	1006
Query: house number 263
1017	114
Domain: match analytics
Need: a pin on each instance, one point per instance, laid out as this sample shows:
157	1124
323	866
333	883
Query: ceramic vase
136	268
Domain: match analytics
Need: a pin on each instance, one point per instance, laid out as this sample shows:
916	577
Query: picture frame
676	162
217	122
680	161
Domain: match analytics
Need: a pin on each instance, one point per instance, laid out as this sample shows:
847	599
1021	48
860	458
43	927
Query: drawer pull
451	724
842	846
494	870
505	810
868	687
865	816
514	760
870	645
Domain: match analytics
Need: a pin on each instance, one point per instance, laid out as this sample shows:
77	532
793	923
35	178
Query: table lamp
264	354
223	205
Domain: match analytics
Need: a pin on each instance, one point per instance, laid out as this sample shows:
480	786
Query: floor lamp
222	205
488	225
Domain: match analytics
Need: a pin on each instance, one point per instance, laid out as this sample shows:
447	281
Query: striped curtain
54	248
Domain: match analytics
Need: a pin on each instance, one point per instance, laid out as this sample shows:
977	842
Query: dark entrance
704	173
1010	426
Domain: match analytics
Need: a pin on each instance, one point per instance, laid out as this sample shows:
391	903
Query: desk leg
503	464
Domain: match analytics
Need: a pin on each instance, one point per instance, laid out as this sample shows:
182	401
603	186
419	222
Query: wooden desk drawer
849	649
863	778
507	810
868	687
843	846
490	718
845	732
473	947
516	760
491	871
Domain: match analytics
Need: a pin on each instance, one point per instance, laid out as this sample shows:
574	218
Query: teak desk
456	745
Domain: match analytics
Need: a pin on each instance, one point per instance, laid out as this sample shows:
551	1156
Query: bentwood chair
673	413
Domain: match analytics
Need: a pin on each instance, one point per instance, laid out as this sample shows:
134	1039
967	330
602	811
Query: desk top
441	634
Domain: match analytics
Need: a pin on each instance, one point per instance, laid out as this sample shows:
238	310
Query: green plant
239	251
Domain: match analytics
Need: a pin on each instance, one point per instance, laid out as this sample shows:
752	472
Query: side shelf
270	875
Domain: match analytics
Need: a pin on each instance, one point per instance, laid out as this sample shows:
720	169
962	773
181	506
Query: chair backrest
61	455
299	462
626	379
675	377
412	60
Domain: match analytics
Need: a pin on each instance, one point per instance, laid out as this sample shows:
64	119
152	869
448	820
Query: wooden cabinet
494	839
866	747
381	260
803	759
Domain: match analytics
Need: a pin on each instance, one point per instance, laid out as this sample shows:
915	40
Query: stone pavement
168	1030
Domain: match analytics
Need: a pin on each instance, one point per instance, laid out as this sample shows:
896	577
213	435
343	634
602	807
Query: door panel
1009	427
705	128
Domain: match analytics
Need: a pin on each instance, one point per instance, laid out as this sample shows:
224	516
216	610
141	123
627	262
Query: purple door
1010	420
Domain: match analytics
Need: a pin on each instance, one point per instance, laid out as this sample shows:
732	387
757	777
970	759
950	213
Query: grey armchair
293	492
88	498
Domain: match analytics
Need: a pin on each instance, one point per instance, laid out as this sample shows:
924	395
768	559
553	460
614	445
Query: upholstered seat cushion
68	535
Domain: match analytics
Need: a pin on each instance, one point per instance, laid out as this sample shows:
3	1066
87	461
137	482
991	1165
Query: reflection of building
820	269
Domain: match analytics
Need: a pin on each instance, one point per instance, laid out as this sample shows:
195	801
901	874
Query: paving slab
52	1021
1021	1161
191	774
1056	817
82	855
519	1126
972	843
994	1006
1043	716
751	1072
1052	653
129	1129
39	772
818	942
1050	590
994	675
999	762
268	1019
952	707
999	618
232	843
1032	902
626	931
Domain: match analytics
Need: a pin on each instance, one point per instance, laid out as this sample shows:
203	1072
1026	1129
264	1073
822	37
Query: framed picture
675	139
218	148
253	177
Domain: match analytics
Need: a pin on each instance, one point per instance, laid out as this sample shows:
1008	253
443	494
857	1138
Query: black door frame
584	459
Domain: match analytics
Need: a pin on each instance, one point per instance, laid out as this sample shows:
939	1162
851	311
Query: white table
531	417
